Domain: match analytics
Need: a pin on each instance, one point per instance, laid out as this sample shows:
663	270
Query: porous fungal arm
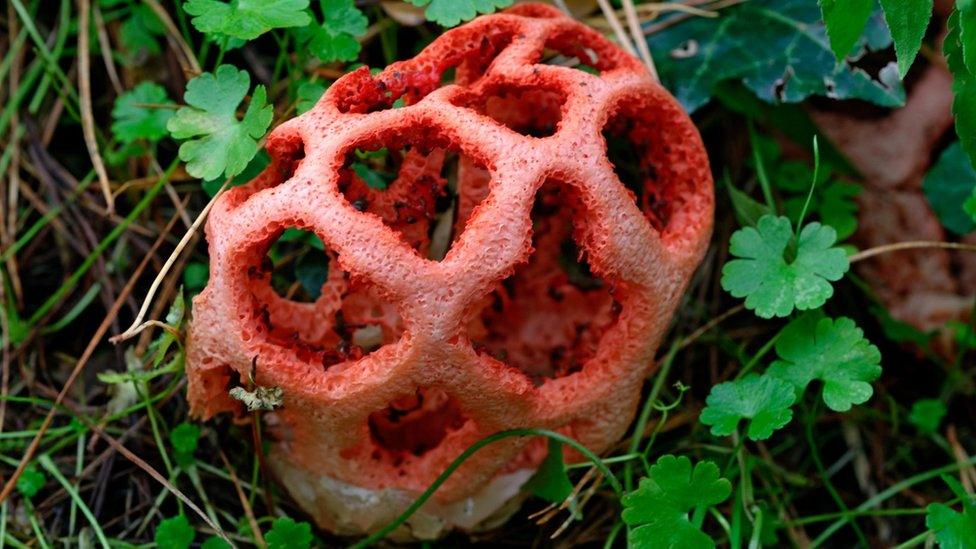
457	338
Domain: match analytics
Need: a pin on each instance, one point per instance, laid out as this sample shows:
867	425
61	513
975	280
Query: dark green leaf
845	21
948	185
764	401
174	533
285	533
657	511
778	48
927	414
246	19
550	481
907	20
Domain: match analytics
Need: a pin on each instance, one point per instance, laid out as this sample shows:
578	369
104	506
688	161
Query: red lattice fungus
488	269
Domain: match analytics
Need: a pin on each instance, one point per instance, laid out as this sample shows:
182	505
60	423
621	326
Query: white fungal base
350	510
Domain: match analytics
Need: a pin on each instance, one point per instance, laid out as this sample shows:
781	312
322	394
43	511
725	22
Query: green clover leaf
657	511
246	19
927	414
953	530
223	144
833	351
774	286
184	438
448	13
141	113
30	482
174	533
335	39
285	533
764	400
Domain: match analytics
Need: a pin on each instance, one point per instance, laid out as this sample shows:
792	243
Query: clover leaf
833	351
927	414
174	533
223	144
448	13
774	286
184	438
141	113
285	533
31	481
953	530
246	19
335	39
763	400
657	511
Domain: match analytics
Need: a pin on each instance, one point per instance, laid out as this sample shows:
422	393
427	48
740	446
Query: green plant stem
420	501
51	468
645	414
823	473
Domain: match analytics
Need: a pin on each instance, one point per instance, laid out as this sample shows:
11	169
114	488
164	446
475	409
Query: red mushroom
544	311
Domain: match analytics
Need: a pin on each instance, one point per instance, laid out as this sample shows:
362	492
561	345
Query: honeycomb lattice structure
530	136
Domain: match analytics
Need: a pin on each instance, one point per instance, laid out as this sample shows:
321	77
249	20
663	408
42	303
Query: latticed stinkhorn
505	278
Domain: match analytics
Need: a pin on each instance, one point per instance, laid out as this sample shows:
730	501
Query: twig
638	36
618	29
87	118
911	245
86	355
138	325
248	511
192	65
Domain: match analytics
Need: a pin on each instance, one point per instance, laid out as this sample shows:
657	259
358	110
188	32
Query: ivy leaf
953	530
845	21
778	48
246	19
833	351
949	186
927	414
657	511
285	533
907	20
449	13
141	113
774	286
335	39
223	144
963	83
550	481
31	481
763	400
174	533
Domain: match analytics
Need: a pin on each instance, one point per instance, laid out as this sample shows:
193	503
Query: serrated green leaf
963	85
907	20
764	401
774	286
832	351
336	38
657	511
174	533
141	113
953	530
948	186
778	48
308	94
246	19
927	414
449	13
845	21
285	533
223	144
550	481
